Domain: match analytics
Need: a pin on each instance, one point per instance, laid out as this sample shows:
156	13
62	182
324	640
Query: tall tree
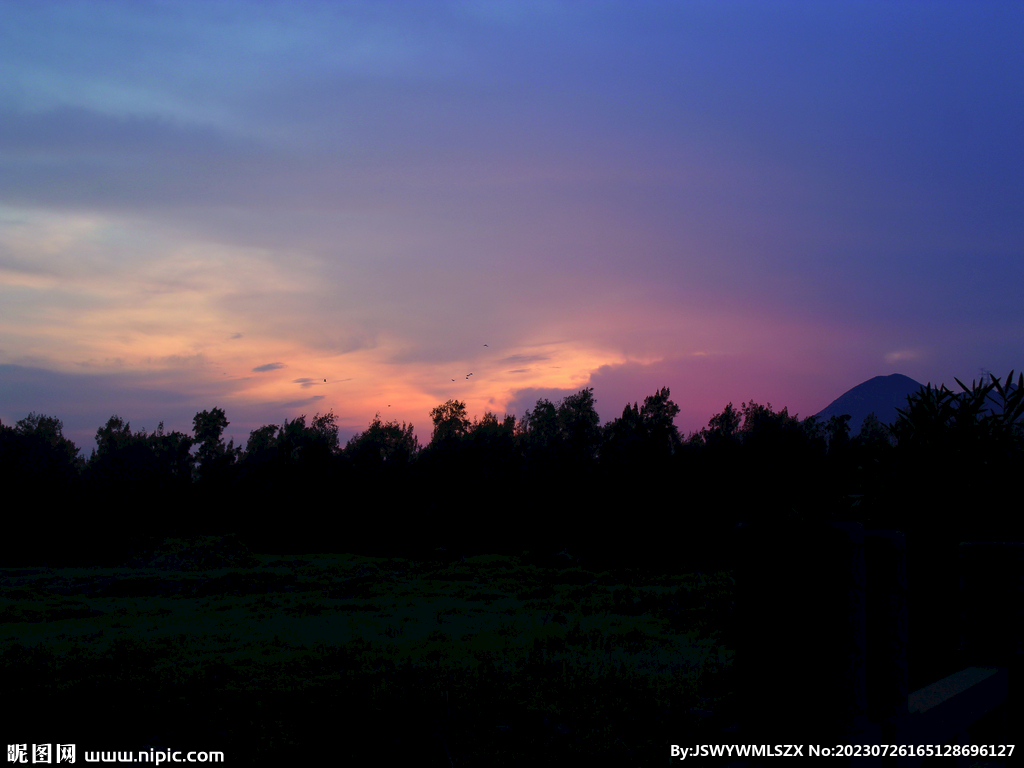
383	445
579	425
539	429
450	422
658	418
723	428
40	470
214	457
45	452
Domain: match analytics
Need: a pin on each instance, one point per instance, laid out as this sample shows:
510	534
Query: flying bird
485	345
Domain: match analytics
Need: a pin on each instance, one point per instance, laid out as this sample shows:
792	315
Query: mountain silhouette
881	396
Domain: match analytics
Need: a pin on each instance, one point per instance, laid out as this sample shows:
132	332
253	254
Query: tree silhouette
539	430
126	466
579	425
488	431
214	458
123	463
37	460
310	449
559	447
552	436
450	422
963	452
263	470
383	446
638	456
770	445
46	453
325	431
550	478
289	467
261	446
494	465
723	428
873	433
172	451
837	433
623	437
215	474
658	418
643	439
208	427
764	428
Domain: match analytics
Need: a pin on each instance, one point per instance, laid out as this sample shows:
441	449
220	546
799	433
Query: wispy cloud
521	359
300	403
373	196
902	355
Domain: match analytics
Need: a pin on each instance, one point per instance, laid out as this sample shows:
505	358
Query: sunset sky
224	204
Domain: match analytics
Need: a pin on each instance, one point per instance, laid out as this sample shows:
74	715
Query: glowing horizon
222	205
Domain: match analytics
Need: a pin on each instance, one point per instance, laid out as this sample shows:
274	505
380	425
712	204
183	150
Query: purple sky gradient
223	204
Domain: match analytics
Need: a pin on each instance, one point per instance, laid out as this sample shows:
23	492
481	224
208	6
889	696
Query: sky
293	208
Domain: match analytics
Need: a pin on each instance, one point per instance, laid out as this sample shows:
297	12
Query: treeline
553	479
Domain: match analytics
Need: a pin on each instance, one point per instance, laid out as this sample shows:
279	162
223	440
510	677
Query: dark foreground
488	660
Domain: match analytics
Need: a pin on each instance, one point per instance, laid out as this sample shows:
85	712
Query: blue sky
224	204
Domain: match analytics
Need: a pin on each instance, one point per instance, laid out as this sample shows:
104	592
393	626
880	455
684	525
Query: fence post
992	609
885	555
991	624
801	645
822	640
992	600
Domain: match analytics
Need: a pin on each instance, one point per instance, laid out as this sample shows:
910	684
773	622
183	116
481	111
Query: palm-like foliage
937	416
959	453
1010	416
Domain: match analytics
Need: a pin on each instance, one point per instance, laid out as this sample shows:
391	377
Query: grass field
484	661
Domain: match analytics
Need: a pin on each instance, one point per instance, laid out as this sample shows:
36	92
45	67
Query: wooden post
992	611
988	681
822	637
885	555
801	649
992	601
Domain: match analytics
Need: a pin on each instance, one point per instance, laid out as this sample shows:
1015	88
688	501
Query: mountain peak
880	395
